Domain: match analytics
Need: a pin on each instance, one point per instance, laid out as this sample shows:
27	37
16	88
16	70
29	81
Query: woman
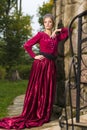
41	87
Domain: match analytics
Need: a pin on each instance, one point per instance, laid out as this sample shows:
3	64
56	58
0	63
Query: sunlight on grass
8	91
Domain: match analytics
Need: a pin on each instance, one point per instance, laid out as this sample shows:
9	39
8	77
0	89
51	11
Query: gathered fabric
39	97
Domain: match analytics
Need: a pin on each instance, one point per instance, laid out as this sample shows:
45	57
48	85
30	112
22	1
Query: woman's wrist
58	30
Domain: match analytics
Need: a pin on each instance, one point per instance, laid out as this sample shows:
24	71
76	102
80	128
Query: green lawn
8	91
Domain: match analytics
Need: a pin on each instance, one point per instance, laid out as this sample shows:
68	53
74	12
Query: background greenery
15	30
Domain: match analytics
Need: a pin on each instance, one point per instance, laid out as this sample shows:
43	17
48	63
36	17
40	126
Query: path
16	109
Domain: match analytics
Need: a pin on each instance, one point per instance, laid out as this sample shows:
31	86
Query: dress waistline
49	56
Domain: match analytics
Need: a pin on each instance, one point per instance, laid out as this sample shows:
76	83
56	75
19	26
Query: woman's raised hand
54	32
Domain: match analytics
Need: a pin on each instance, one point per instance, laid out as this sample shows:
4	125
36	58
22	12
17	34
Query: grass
8	91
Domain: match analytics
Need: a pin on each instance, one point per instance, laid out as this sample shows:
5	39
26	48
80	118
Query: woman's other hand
39	57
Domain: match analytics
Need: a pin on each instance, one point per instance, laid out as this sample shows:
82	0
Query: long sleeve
28	45
63	34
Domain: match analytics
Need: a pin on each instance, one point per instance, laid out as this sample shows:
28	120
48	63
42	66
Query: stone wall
66	10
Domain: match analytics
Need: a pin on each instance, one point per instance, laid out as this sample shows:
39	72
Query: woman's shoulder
41	34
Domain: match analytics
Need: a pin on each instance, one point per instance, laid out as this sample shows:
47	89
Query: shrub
2	72
24	71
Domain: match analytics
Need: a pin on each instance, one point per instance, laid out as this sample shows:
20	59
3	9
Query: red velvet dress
41	87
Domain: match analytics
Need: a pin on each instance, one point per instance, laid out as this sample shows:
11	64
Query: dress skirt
39	97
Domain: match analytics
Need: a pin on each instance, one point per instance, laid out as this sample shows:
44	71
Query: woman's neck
49	32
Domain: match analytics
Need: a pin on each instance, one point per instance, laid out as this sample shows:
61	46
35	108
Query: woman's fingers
40	57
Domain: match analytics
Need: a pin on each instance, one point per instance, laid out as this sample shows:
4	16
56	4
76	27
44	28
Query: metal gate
77	81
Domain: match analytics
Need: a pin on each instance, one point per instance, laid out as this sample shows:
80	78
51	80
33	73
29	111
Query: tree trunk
15	76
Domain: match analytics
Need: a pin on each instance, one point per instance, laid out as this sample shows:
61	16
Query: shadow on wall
60	87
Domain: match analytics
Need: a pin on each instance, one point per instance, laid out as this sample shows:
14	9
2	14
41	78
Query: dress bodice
47	44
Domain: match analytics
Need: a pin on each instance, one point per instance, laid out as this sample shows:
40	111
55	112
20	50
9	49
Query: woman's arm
28	45
61	34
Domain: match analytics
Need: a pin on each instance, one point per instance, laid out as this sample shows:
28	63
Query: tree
45	8
15	29
17	32
2	52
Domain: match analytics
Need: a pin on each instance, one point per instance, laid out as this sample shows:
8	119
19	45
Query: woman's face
48	23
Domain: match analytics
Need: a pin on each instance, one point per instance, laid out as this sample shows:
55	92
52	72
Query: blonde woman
40	92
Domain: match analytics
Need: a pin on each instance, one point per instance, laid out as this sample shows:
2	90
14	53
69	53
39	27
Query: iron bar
78	69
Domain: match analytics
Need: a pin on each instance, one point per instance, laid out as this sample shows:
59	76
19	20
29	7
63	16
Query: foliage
2	51
24	71
44	9
17	32
8	91
2	72
15	29
6	7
